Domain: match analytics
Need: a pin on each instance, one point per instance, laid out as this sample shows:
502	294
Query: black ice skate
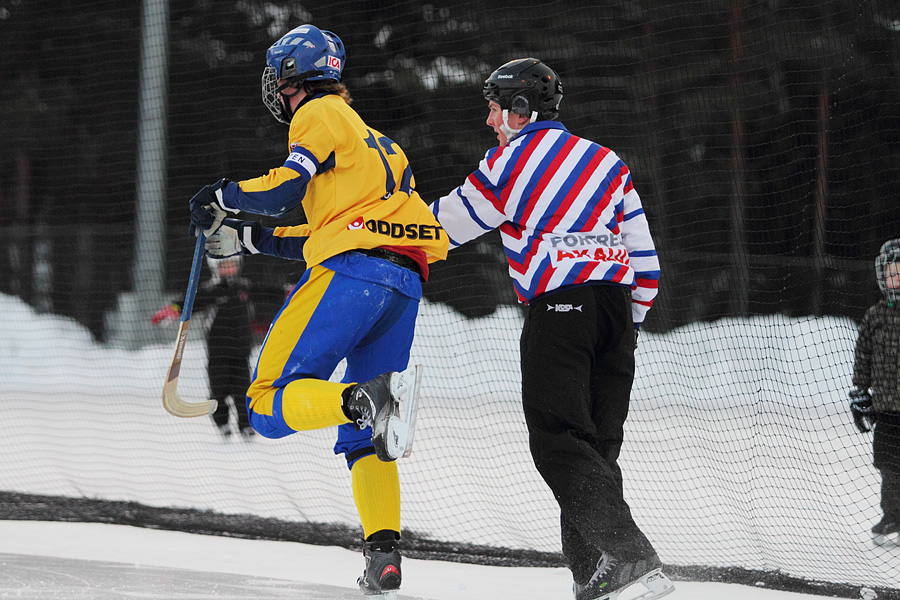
224	428
886	531
387	404
381	579
613	576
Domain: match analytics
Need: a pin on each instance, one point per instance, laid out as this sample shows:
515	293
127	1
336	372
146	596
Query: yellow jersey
355	184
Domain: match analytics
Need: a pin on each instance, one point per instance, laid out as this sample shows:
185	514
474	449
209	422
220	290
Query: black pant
890	494
577	352
886	454
229	376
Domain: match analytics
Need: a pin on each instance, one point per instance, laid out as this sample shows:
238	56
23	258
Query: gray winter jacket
877	363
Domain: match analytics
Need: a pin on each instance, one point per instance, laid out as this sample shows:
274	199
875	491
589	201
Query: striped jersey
567	211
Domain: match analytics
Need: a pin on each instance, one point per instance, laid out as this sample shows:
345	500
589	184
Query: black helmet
886	263
523	86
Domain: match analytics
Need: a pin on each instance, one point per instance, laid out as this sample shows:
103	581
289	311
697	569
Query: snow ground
64	561
739	453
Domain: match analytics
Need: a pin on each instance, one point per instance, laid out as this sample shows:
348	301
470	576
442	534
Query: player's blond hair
332	87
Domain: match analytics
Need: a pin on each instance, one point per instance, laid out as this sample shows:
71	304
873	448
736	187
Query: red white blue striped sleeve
475	207
567	211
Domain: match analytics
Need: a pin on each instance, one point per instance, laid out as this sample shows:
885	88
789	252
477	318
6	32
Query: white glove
218	216
224	241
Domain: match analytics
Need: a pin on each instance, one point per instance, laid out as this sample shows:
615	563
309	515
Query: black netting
763	138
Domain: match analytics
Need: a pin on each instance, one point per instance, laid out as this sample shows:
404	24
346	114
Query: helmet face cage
524	86
305	53
887	264
271	96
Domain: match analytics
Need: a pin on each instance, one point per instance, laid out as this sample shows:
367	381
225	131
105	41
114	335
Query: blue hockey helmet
305	53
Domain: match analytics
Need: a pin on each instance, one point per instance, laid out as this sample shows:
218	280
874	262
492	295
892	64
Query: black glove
206	214
861	409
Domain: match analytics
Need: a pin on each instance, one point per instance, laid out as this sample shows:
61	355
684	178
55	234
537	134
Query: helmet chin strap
285	99
508	131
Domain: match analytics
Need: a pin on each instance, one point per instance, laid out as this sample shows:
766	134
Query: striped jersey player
567	212
582	260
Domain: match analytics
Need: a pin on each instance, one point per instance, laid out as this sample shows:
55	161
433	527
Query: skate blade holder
407	386
654	584
890	539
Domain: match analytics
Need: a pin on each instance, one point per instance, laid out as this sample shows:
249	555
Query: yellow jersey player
367	243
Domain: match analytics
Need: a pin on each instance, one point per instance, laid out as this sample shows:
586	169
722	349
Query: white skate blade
891	539
401	427
655	585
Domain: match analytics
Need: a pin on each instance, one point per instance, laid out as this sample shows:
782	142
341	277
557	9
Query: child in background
875	401
229	341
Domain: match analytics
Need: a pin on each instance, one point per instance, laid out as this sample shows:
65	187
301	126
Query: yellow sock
313	404
376	489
